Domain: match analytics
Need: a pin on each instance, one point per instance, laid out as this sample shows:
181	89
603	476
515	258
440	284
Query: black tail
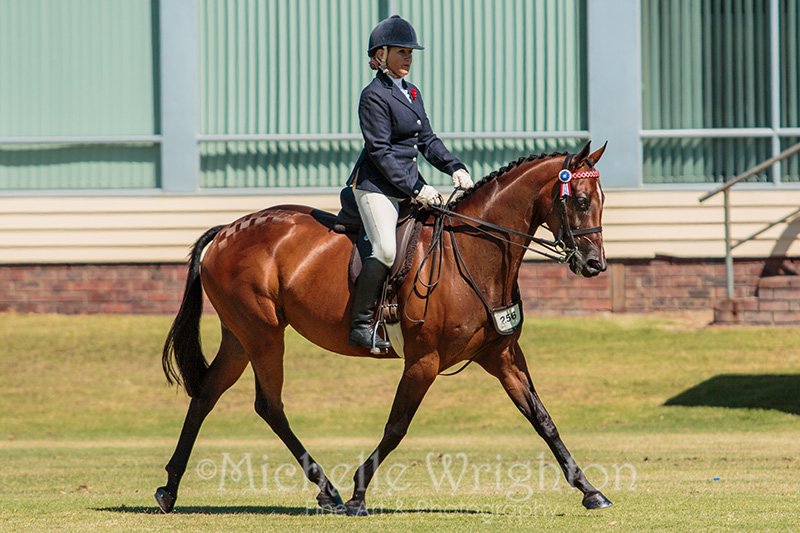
183	340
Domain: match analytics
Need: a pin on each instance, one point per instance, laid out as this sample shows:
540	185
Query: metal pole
775	82
728	256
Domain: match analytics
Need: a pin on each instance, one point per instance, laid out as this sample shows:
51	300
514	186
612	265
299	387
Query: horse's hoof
331	502
165	500
356	508
596	500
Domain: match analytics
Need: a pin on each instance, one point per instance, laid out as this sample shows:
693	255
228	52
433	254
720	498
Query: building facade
128	127
191	96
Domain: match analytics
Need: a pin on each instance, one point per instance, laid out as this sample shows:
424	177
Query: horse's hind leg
224	371
512	371
268	367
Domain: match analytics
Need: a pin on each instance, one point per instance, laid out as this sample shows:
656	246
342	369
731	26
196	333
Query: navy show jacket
395	132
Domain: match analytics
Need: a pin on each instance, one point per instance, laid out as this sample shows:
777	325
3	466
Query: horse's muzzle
588	265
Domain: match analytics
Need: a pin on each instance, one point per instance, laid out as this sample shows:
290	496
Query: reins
435	249
555	246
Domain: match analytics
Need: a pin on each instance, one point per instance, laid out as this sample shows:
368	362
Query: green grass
87	425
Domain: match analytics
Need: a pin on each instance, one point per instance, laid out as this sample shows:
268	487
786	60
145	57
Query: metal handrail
718	133
282	137
726	190
82	139
473	135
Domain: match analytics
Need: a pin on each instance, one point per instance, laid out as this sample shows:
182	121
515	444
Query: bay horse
284	266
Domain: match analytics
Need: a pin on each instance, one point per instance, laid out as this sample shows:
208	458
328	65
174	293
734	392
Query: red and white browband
566	176
586	174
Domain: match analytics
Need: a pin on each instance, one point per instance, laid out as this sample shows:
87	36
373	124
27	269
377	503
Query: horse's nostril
595	264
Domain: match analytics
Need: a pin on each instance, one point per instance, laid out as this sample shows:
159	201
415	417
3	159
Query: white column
180	155
615	88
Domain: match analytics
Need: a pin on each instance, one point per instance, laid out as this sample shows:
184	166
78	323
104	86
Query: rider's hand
461	179
429	196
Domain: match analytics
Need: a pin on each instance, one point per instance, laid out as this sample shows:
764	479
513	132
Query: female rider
396	130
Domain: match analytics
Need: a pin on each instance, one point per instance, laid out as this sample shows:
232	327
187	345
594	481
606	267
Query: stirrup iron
374	349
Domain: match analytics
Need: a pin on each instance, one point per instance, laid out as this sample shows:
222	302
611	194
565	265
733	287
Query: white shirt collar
399	83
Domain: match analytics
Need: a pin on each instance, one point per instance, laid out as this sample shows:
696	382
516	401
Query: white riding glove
461	179
429	196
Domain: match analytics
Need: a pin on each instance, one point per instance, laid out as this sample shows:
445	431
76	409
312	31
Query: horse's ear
582	154
595	157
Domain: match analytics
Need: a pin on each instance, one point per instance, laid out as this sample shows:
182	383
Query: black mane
502	170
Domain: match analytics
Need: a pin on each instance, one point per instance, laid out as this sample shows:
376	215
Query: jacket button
415	147
413	158
419	121
416	134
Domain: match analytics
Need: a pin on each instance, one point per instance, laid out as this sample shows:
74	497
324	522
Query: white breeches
379	214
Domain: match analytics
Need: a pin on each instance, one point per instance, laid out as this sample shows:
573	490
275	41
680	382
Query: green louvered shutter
77	68
281	70
273	74
707	65
493	69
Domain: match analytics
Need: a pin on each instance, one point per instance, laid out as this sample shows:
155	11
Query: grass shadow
212	509
737	391
273	510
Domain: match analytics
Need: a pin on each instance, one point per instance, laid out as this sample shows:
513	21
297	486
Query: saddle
409	226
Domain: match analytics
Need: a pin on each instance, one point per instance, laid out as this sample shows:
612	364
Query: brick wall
637	286
777	301
84	288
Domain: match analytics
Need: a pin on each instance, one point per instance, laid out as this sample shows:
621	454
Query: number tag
507	319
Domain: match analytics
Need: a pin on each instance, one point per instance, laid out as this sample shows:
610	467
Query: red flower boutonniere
413	93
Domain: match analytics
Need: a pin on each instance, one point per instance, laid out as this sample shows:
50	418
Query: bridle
565	178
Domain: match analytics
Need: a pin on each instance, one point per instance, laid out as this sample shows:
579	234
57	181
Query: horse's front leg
512	371
417	379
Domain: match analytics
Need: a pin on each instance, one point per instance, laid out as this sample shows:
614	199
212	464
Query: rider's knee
384	254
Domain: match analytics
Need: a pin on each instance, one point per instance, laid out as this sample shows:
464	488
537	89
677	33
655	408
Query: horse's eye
582	203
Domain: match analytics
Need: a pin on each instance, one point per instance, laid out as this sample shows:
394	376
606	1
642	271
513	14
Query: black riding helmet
393	31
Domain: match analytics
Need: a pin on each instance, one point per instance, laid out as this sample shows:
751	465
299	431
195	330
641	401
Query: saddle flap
407	234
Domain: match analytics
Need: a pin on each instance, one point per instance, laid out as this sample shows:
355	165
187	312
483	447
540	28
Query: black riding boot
368	289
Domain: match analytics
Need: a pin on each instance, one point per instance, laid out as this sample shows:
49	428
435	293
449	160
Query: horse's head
576	215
